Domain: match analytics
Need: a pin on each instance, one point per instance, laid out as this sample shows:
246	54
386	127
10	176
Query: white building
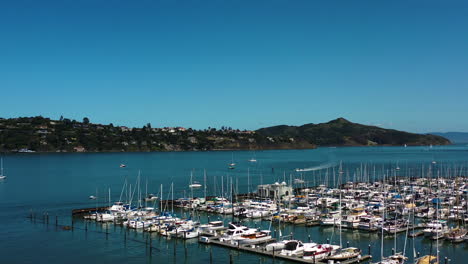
274	191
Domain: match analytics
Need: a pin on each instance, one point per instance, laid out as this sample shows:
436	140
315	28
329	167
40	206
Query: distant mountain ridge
454	137
341	132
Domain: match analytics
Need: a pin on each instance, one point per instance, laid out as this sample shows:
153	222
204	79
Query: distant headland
40	134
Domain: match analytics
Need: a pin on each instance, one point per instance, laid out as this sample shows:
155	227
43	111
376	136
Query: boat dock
260	250
83	211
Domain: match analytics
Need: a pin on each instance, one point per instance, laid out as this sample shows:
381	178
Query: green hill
341	132
65	135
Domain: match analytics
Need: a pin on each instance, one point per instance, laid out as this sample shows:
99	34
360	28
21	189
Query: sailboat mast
248	182
204	183
161	200
146	192
172	198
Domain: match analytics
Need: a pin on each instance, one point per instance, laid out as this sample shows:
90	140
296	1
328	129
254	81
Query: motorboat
236	230
105	217
293	248
331	219
352	220
435	227
369	222
151	197
276	246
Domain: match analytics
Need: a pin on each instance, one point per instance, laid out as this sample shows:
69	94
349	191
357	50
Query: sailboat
194	184
253	159
397	258
232	165
1	170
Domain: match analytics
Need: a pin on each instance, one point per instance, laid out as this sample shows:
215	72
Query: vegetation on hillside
341	132
65	135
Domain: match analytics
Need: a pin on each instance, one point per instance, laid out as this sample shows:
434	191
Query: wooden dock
89	210
261	251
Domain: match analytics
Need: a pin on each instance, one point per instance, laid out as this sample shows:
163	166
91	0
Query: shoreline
219	150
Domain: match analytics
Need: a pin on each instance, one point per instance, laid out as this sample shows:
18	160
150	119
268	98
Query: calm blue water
58	183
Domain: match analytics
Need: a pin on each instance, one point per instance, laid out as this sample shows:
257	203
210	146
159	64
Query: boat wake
320	167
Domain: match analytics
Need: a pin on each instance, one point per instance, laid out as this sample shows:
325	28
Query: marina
326	212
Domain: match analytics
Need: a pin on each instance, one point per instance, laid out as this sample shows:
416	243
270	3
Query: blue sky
245	64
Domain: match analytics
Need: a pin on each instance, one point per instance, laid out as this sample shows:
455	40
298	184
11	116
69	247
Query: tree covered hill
65	135
341	132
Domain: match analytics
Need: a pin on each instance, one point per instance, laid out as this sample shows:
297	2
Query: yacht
352	220
395	226
369	222
435	227
331	219
212	228
293	248
236	230
105	217
277	246
253	238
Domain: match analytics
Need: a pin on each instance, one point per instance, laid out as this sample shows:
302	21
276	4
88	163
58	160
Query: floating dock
261	251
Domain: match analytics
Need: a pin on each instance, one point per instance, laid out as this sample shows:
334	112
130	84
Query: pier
260	250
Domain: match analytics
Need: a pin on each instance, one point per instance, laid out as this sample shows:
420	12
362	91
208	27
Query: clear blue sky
245	64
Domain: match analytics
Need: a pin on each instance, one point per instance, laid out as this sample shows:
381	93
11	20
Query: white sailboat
253	158
232	165
194	184
2	176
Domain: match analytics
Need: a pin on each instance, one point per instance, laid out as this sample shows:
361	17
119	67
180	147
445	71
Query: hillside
341	132
454	137
64	135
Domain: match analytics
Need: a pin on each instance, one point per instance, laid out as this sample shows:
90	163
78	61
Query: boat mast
146	192
248	182
341	217
161	200
172	198
204	182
